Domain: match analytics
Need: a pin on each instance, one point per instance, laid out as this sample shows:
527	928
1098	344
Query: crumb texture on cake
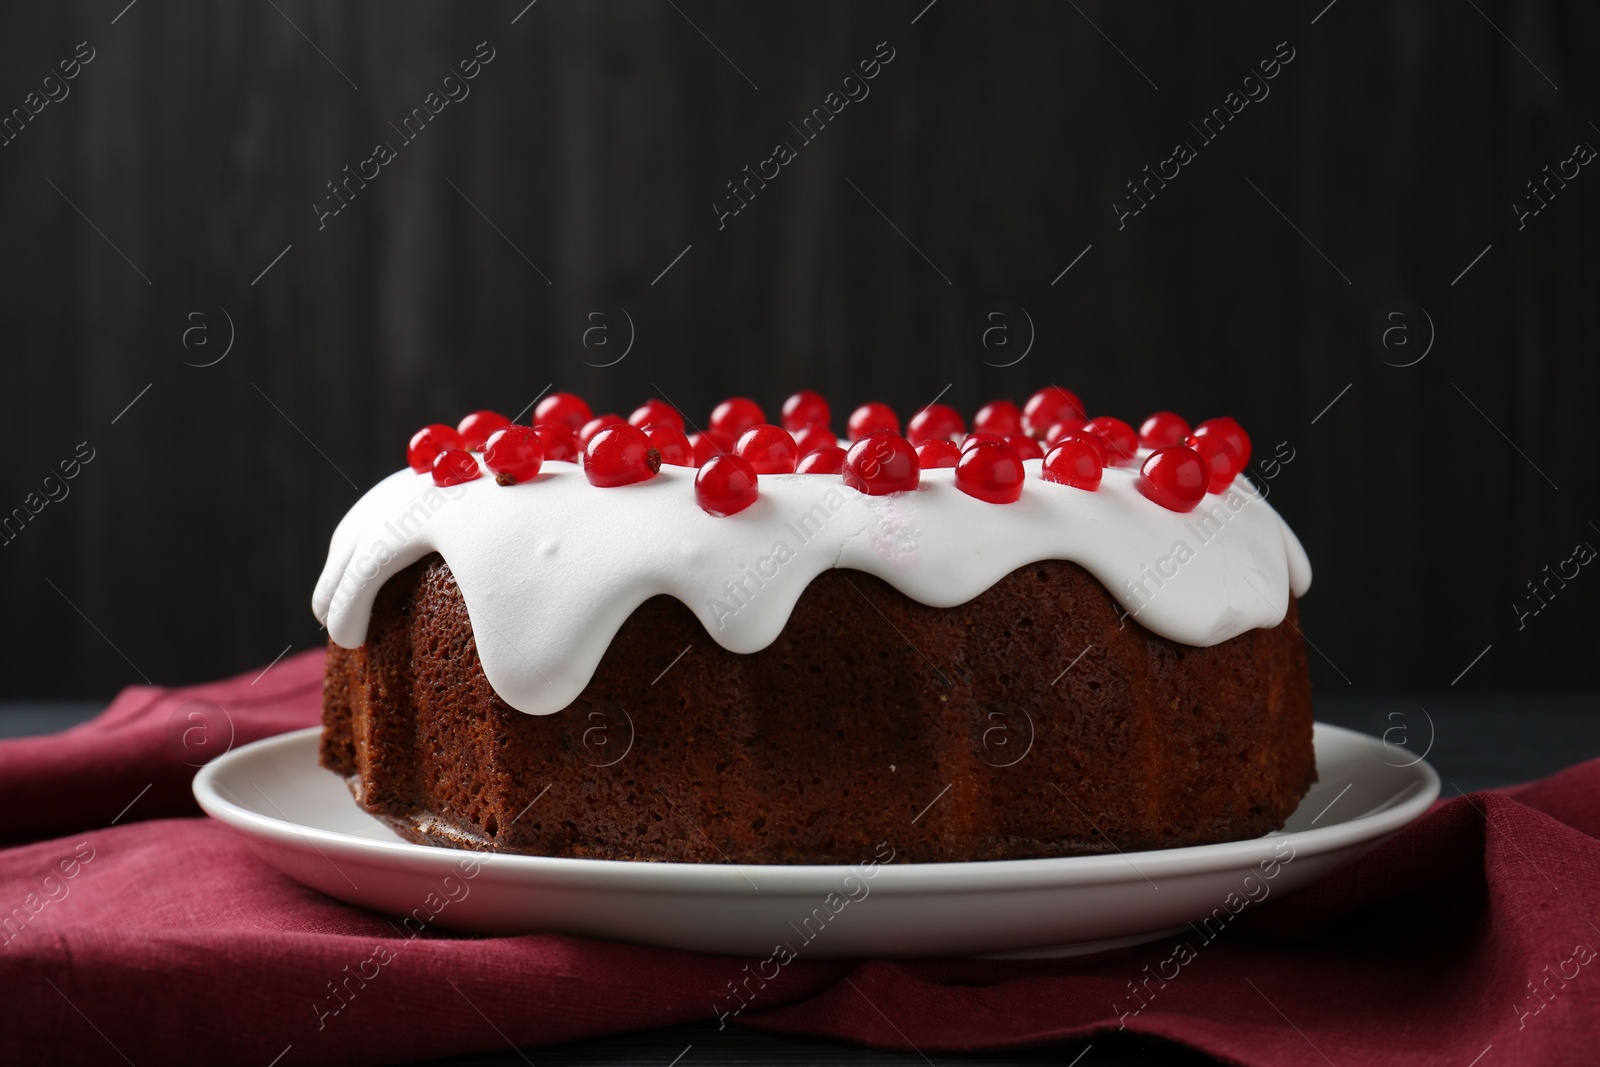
1032	720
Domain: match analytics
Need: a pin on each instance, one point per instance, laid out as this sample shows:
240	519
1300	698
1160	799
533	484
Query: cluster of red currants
739	445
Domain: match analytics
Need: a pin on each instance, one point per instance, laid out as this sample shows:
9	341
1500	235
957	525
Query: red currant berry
454	466
872	418
1075	462
1122	444
829	459
1221	462
427	443
734	416
1231	432
558	441
1163	430
1048	406
978	437
620	454
670	441
513	454
938	453
880	464
1176	478
936	421
812	437
726	485
476	428
705	447
652	411
1058	430
804	409
767	448
1025	447
595	425
1095	442
565	408
991	472
999	417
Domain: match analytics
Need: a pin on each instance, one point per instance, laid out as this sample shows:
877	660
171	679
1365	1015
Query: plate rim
937	877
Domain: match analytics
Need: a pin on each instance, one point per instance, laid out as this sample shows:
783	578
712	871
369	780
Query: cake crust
1034	720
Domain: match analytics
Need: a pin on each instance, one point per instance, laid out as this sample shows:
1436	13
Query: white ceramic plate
302	819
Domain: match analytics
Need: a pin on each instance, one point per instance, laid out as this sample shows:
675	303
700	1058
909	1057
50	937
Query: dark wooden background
597	140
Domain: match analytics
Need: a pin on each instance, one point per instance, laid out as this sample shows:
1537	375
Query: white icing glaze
550	569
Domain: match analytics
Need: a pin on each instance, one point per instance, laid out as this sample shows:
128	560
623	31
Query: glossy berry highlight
1058	430
568	409
806	408
1094	441
1025	447
595	425
978	437
999	417
1163	430
671	442
829	459
991	472
734	416
810	438
768	449
1075	461
1231	432
558	441
428	442
654	411
726	485
1048	406
880	464
454	466
1222	463
476	428
705	447
1176	478
936	422
513	454
620	455
1122	444
938	453
872	418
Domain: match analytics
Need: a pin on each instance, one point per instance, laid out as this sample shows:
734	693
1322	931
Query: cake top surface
551	564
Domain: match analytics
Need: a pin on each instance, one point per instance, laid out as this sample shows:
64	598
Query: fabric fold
130	924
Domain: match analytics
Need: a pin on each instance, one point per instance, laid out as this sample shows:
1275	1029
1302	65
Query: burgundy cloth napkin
132	925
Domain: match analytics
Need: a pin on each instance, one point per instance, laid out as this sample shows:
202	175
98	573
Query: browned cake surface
844	732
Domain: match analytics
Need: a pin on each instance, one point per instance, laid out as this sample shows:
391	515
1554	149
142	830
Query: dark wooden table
1477	742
